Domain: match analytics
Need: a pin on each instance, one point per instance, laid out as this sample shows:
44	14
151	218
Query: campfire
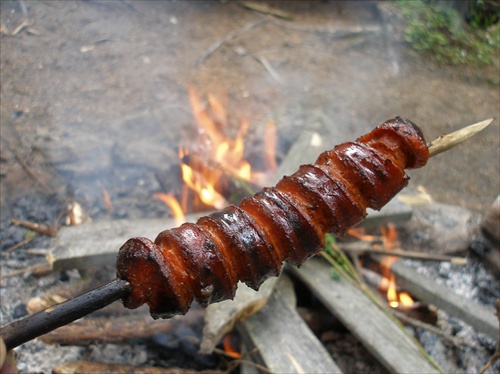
213	165
215	173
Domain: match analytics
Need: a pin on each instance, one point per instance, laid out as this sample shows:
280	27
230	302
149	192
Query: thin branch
269	68
360	248
28	170
457	342
227	37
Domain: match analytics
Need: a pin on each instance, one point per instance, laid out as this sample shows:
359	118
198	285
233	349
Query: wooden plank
221	317
97	243
426	289
372	327
284	341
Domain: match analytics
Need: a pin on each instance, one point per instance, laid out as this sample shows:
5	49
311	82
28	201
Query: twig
266	9
42	322
270	69
20	27
227	37
35	269
496	355
457	342
21	243
445	142
36	227
30	172
360	248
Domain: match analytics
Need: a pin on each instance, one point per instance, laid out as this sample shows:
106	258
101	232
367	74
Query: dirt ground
96	92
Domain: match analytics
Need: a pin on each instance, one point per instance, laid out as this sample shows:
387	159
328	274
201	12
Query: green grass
441	33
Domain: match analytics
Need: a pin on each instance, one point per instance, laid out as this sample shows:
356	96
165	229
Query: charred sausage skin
250	242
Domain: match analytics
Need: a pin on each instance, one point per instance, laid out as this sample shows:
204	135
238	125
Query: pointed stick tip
448	141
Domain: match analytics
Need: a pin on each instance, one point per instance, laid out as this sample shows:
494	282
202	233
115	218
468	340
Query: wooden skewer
448	141
40	323
30	327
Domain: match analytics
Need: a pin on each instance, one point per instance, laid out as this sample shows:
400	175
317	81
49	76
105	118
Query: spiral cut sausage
249	242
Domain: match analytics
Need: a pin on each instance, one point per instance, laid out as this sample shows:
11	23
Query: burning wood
213	166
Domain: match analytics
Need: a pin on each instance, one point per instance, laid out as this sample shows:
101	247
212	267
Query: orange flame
227	344
212	121
203	186
213	160
174	206
359	233
395	299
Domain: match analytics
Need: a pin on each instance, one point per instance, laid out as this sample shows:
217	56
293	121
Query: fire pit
84	161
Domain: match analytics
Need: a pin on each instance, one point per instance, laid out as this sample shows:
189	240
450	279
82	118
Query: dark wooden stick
28	328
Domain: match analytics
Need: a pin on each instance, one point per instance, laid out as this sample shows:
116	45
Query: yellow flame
405	299
205	189
174	206
392	296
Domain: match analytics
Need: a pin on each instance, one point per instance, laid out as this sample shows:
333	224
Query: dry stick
30	172
40	323
457	342
227	37
21	243
358	249
270	69
39	228
26	329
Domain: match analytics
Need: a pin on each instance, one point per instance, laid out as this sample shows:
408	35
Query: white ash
474	352
37	357
133	354
472	280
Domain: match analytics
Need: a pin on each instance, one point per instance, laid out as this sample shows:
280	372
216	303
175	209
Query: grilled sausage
250	242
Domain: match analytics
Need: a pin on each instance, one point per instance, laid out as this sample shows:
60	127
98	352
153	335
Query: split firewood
427	290
221	317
